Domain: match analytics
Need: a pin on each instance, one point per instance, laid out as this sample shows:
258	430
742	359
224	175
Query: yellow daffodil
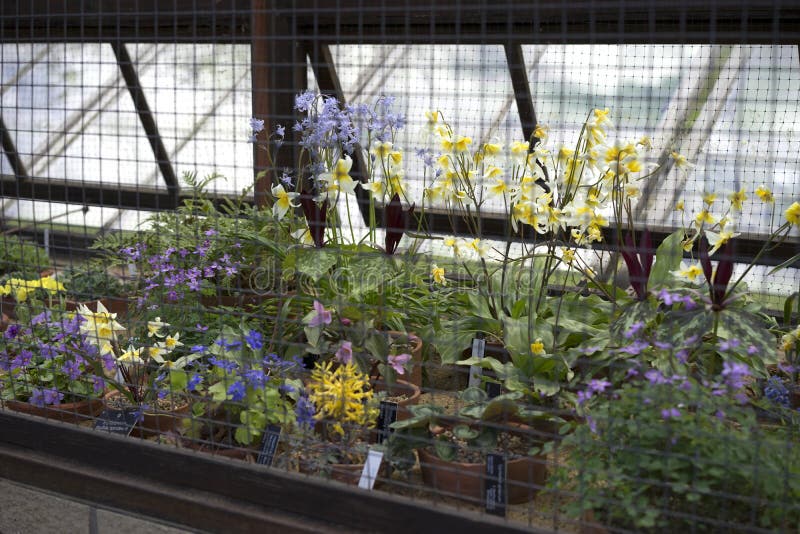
438	274
492	149
498	188
704	217
567	255
340	179
680	161
645	142
737	198
481	248
679	206
519	150
541	132
381	149
716	240
283	201
132	355
793	213
171	342
537	348
765	194
709	198
154	327
689	271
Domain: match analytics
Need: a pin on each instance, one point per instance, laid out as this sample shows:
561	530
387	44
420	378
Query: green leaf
518	334
787	307
312	262
502	407
668	258
464	432
473	395
794	259
219	392
639	311
371	271
178	379
444	449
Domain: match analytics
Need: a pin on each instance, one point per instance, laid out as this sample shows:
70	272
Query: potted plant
50	367
344	407
452	448
662	450
92	282
26	297
238	389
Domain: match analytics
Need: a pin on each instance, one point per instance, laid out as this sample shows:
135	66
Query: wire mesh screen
538	262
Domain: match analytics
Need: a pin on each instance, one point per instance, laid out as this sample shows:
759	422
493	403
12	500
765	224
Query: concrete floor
26	510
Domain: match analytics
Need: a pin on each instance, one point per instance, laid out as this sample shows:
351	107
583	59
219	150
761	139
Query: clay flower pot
400	387
525	475
68	412
155	422
219	449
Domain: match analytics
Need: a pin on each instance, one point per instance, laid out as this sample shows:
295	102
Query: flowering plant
35	295
673	448
49	360
144	370
235	380
355	340
347	407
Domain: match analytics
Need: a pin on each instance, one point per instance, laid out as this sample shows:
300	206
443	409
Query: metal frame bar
147	119
10	150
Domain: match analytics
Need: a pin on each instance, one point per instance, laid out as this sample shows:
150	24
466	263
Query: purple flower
592	424
729	344
634	329
23	359
304	412
598	386
109	362
227	365
228	345
655	377
254	339
397	362
12	331
321	317
584	396
72	370
682	356
98	384
47	351
734	374
210	232
237	391
303	101
255	378
662	345
43	397
200	349
670	413
635	348
345	353
200	328
286	388
668	298
256	125
752	349
193	382
688	302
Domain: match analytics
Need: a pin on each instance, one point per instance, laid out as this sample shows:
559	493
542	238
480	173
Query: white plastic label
371	468
475	372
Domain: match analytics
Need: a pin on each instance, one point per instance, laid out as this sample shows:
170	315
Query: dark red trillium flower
396	222
315	217
639	261
719	286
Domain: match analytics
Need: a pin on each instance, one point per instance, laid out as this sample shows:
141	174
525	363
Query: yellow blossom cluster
342	396
21	289
790	341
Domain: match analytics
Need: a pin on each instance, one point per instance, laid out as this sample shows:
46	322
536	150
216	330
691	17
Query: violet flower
398	361
322	316
345	353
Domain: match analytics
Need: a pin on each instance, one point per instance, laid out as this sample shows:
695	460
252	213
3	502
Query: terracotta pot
4	322
347	473
525	475
415	375
400	387
154	423
7	307
69	412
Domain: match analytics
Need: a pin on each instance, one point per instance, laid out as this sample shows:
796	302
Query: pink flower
398	361
345	353
322	317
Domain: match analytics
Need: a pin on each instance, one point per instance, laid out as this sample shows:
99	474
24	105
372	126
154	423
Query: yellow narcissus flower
376	187
498	188
567	255
679	206
381	149
764	194
303	236
170	342
340	179
492	149
283	201
395	157
519	150
564	153
438	274
537	348
101	327
716	240
704	217
154	327
132	355
541	131
645	142
737	198
481	248
680	161
709	198
689	271
793	214
433	119
459	144
51	284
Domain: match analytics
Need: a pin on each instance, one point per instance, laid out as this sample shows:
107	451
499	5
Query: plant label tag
371	468
386	417
493	389
116	421
269	445
494	491
476	372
